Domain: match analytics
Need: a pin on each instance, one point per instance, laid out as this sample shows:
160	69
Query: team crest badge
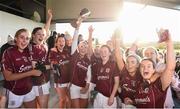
107	70
146	90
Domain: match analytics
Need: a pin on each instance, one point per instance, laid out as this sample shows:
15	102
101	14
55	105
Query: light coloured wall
69	9
9	24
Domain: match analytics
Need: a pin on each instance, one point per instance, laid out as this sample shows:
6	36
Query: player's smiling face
39	36
60	43
83	48
22	40
105	53
131	64
146	69
150	53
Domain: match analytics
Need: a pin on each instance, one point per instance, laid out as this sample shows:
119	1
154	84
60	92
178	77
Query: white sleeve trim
88	78
75	41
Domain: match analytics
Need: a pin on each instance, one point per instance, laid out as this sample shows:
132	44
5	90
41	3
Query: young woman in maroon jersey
39	51
129	71
80	77
129	77
59	59
151	52
107	80
17	70
153	96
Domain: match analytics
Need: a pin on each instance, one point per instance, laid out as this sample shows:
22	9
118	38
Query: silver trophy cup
84	14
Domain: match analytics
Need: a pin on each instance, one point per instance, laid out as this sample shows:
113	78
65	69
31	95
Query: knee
62	100
68	99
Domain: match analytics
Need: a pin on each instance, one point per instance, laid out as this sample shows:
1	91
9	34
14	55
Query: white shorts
16	101
128	106
58	85
75	92
101	101
42	90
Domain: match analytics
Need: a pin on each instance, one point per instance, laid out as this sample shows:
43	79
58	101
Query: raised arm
167	75
74	41
75	38
133	48
48	23
118	54
90	51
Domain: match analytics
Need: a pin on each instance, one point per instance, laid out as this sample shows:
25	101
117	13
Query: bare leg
62	97
2	101
75	103
30	104
68	100
84	103
43	101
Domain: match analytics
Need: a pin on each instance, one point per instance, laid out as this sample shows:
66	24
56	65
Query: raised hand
91	29
78	23
163	35
49	13
117	37
117	34
133	47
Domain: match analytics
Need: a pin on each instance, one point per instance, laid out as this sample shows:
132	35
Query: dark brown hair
36	29
149	59
60	36
106	47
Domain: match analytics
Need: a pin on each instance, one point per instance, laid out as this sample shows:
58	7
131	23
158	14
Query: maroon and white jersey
17	62
150	97
128	84
62	59
39	53
105	77
79	69
94	63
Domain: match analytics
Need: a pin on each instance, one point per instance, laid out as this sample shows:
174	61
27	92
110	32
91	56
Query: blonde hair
21	31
